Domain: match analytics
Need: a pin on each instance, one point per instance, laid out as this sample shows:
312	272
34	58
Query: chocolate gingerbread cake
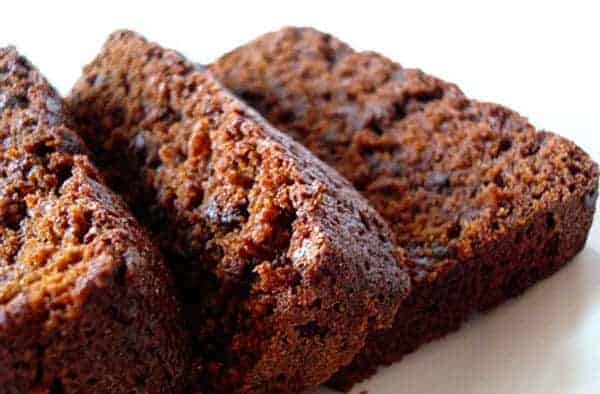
86	302
482	204
284	268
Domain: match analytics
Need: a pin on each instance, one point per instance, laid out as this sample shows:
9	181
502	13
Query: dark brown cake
86	304
482	203
283	266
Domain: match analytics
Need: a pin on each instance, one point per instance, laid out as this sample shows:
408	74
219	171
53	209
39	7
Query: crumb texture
456	179
70	255
283	267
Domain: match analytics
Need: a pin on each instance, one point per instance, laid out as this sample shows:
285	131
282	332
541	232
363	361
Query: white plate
542	61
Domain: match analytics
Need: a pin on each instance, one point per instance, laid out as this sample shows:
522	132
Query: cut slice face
284	268
482	203
86	302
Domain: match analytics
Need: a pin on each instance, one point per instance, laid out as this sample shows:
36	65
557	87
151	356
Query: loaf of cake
481	203
86	302
284	268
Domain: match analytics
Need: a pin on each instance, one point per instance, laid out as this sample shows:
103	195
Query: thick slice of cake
86	302
482	203
284	268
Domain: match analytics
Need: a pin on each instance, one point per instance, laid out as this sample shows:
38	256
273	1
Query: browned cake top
261	235
447	173
59	227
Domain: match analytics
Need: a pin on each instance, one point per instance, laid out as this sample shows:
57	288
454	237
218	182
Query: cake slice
284	268
483	205
86	302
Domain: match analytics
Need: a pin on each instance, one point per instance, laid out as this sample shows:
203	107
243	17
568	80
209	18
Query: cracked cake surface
482	204
283	267
86	303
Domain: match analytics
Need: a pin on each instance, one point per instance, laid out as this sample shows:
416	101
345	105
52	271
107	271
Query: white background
540	58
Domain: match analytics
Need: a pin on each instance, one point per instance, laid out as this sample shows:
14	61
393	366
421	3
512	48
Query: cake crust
284	268
86	303
482	204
